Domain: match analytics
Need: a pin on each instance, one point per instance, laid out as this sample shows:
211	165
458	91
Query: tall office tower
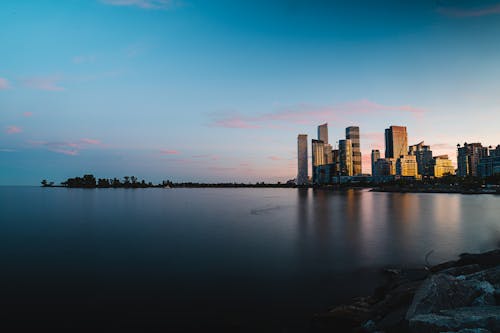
468	158
407	166
423	154
328	154
442	166
345	156
302	166
352	133
318	158
375	157
323	133
396	142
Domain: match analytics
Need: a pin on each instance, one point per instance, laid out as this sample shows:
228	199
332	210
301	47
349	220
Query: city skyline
218	91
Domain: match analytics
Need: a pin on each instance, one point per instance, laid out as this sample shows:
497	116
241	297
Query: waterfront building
352	133
323	133
318	157
423	153
442	166
468	158
385	167
375	157
302	166
490	165
345	157
396	141
406	166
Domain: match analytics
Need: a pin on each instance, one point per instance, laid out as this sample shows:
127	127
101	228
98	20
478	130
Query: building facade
490	166
352	133
318	157
323	133
468	158
442	166
406	166
375	157
302	163
328	154
345	157
423	153
396	142
385	167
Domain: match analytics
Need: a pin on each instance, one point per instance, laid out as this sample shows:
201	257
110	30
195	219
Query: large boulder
442	291
484	317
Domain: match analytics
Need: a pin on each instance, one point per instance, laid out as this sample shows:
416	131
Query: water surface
242	259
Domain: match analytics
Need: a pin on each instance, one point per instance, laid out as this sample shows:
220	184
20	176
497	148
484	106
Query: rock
484	317
487	259
462	270
492	275
471	330
441	292
370	326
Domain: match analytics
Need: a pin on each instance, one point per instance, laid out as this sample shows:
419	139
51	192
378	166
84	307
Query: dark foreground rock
456	296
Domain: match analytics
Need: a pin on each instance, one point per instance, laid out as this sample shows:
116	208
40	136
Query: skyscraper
318	157
323	133
328	154
396	142
302	166
352	133
345	156
375	157
406	166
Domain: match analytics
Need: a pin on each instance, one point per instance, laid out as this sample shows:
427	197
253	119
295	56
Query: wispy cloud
145	4
169	152
470	12
71	148
27	114
48	83
13	130
4	83
275	158
7	150
306	114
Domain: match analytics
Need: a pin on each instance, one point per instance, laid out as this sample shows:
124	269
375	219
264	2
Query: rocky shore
456	296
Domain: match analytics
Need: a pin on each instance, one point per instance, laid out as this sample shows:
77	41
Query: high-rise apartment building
468	158
385	167
423	154
318	157
345	157
442	166
396	142
375	157
352	133
323	133
302	166
490	166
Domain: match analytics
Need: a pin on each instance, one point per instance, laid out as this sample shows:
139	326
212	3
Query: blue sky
218	90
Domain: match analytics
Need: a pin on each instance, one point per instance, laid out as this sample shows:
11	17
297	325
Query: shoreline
447	297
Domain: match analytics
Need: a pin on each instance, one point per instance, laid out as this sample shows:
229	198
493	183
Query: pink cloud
471	12
306	114
4	83
13	130
169	152
145	4
70	152
47	83
27	114
275	158
90	141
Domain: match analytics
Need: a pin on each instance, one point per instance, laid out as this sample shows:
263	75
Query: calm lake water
217	258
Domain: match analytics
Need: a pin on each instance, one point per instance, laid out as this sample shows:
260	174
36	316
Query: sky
218	90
